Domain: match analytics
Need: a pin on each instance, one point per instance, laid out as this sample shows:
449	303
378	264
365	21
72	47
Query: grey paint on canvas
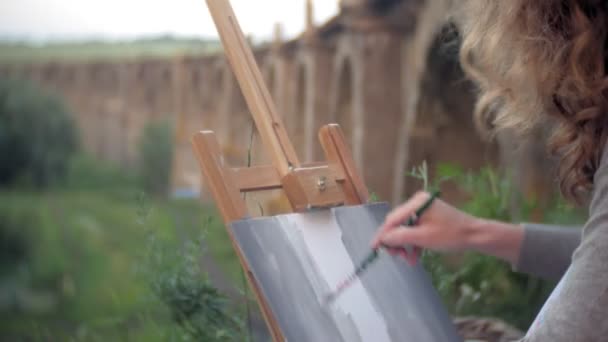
402	291
280	275
404	305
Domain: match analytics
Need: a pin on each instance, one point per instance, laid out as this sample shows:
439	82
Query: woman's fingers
440	228
414	256
402	237
399	216
410	257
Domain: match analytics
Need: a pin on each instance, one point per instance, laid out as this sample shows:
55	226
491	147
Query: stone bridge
381	69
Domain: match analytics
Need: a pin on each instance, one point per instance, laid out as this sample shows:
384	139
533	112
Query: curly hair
537	60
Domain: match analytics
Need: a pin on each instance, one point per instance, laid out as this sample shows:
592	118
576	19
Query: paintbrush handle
413	220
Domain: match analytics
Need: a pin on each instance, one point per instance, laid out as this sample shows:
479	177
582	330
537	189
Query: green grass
17	52
76	275
223	252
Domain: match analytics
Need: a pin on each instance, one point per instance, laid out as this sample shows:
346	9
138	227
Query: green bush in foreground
37	136
83	265
175	277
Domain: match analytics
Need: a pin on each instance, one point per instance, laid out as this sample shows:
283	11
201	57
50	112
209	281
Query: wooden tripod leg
339	156
219	177
232	208
256	93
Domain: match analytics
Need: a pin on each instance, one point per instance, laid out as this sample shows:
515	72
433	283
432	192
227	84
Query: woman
536	60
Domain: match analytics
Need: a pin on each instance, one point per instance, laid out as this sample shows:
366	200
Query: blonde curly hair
540	59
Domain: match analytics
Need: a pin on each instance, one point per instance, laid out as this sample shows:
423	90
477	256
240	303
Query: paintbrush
375	253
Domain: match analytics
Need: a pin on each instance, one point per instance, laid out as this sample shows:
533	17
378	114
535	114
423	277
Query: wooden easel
333	183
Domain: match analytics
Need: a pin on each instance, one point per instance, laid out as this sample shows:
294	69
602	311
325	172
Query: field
100	264
18	52
93	252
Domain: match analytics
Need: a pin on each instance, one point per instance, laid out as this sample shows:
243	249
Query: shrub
37	135
71	266
88	173
156	157
173	271
32	267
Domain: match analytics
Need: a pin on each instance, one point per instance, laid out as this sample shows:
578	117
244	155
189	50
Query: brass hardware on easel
322	184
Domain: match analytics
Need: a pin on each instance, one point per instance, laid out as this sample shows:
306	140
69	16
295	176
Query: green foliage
197	307
156	158
422	174
473	284
71	261
37	136
154	47
87	173
373	197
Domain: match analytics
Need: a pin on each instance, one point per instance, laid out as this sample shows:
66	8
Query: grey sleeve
577	310
547	250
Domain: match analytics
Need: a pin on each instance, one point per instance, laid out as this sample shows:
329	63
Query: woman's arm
546	251
446	229
536	249
578	307
497	239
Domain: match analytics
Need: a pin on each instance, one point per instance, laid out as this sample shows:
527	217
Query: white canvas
298	259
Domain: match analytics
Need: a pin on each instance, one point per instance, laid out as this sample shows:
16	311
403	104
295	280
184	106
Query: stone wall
398	94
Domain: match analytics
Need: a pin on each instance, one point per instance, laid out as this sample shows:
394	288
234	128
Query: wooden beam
268	122
313	164
260	178
340	158
256	178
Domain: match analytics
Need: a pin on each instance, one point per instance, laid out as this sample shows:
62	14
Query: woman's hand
444	228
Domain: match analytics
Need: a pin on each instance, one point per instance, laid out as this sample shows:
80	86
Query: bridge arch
347	97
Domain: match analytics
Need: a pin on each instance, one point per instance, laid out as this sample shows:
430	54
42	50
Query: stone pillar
348	94
415	52
300	118
321	69
382	110
310	18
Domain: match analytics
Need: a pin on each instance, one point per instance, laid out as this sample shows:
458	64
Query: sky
43	20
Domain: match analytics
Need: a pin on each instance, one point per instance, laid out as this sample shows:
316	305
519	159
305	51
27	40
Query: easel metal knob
315	187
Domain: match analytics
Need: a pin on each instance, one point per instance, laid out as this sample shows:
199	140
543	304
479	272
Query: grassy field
86	255
79	262
99	50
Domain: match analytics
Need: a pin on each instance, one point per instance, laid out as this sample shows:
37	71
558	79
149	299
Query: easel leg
339	156
232	208
219	177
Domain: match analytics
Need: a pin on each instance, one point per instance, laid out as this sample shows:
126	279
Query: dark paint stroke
403	294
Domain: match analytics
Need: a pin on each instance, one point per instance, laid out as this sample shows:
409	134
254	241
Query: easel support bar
340	158
261	178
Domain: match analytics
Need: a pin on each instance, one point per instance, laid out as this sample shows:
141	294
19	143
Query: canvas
298	259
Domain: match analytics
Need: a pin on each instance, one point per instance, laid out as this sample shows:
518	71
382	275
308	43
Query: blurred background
107	231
